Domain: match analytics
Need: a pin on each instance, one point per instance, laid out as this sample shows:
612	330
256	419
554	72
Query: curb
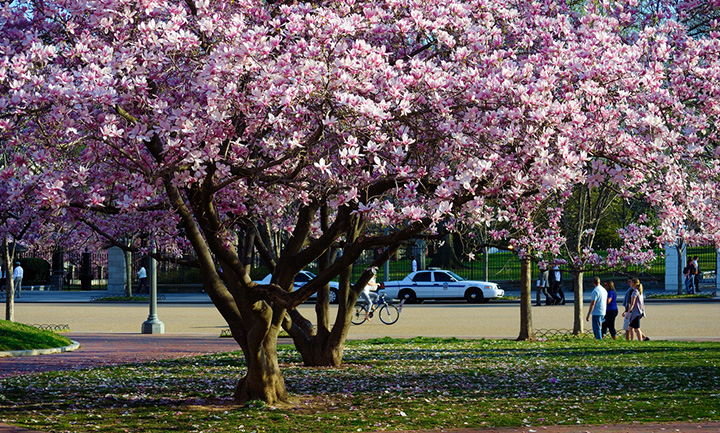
35	352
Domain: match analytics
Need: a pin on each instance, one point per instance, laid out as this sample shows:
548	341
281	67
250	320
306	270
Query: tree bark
578	325
526	325
679	248
9	259
264	380
128	273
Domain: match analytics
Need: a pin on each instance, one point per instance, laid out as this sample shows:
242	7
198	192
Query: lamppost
153	325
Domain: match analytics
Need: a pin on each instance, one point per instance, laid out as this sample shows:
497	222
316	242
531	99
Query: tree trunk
9	259
325	348
263	380
128	274
526	325
9	300
578	326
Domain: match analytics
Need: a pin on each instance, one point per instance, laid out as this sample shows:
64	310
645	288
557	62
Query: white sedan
441	284
302	278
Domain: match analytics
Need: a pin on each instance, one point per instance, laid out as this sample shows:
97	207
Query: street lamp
153	325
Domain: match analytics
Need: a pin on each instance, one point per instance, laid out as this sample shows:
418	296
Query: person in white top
142	279
17	278
367	295
598	304
414	264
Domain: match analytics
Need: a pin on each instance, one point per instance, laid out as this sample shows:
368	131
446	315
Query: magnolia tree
643	128
200	123
25	220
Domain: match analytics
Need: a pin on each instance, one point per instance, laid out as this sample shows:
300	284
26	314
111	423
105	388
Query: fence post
86	272
58	270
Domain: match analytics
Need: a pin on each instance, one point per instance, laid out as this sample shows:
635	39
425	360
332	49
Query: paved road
697	320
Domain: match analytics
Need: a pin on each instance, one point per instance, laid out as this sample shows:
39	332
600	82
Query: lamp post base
153	326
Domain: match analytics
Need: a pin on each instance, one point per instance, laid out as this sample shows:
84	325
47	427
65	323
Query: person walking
142	280
698	274
543	282
556	290
17	278
689	273
611	311
636	312
626	304
598	306
414	264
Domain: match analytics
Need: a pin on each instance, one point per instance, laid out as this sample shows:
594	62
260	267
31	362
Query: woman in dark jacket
611	311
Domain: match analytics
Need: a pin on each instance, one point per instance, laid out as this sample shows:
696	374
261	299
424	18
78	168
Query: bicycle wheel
389	314
359	315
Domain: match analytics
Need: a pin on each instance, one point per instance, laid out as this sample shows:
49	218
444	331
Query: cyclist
369	296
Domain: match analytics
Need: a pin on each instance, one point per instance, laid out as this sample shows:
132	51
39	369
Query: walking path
97	350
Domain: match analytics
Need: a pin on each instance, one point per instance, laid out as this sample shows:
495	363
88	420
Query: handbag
626	323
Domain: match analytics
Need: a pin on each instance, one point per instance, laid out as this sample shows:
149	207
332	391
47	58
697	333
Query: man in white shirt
17	278
414	264
142	280
598	303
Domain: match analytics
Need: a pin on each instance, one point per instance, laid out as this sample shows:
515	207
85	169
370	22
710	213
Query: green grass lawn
387	385
16	336
706	295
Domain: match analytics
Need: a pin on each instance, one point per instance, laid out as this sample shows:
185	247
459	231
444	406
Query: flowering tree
644	120
23	220
200	122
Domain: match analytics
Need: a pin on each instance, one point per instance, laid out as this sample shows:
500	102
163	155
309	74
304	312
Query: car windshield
456	276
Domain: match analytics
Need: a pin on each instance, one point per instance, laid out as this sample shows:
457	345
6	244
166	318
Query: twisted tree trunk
526	325
578	325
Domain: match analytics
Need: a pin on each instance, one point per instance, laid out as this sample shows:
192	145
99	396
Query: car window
455	276
301	278
442	276
421	276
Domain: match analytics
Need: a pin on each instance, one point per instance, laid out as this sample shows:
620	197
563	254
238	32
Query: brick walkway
109	349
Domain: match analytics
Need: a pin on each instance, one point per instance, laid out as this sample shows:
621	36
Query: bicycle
388	313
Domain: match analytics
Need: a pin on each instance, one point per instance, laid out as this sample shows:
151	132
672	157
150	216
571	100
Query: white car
441	284
302	278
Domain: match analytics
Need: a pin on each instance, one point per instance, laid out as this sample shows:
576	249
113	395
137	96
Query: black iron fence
498	266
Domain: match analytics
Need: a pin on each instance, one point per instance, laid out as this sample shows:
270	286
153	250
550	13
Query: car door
423	285
444	285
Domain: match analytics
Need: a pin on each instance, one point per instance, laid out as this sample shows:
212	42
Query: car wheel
333	296
474	295
408	296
